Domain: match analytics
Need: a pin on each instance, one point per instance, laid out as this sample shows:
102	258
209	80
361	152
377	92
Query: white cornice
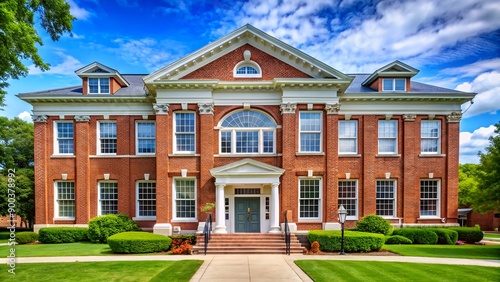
91	98
408	97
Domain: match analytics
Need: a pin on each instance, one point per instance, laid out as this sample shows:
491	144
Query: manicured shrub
374	224
397	240
445	236
469	234
101	227
134	242
330	240
179	240
26	237
418	235
55	235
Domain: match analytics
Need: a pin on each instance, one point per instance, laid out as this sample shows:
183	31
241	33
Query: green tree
19	37
467	186
487	195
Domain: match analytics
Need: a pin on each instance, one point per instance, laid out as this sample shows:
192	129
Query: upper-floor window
310	131
107	137
348	197
348	137
387	137
184	131
98	85
64	134
146	137
430	136
247	132
394	84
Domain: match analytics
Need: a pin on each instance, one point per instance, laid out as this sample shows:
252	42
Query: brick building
256	127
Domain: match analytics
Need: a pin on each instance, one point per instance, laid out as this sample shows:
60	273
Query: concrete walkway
253	268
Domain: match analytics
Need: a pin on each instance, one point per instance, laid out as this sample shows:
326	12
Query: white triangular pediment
100	70
246	167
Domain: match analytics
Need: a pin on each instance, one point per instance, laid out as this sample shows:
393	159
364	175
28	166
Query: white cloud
25	116
475	68
67	67
78	12
472	143
487	85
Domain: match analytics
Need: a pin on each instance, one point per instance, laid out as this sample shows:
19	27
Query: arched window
247	67
247	132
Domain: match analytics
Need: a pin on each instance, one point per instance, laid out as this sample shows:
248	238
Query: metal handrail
287	236
207	230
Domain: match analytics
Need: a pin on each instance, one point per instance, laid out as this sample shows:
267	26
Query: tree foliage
19	37
467	176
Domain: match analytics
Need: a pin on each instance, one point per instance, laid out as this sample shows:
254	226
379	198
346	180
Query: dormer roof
394	69
97	69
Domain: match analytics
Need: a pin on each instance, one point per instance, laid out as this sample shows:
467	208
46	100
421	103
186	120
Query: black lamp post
342	216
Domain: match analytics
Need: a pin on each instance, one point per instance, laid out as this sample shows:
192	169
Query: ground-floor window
146	199
348	197
185	198
65	200
429	198
309	199
386	198
108	198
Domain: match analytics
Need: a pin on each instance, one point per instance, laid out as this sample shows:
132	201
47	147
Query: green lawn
4	237
447	251
54	250
332	270
103	271
490	235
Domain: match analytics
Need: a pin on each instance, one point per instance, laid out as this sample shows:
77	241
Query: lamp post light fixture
342	217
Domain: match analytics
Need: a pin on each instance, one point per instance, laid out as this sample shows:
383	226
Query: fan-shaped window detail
247	132
247	67
247	70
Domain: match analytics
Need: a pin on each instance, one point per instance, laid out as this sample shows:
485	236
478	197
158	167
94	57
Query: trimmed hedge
101	227
469	234
418	235
55	235
26	237
374	224
397	240
445	236
138	242
330	240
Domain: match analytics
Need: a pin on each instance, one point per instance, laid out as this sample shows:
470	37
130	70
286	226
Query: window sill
309	153
183	155
432	155
305	220
343	155
145	155
120	156
429	217
62	156
246	155
144	218
64	218
388	156
184	220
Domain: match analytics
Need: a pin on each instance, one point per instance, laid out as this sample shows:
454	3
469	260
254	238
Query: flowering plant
459	243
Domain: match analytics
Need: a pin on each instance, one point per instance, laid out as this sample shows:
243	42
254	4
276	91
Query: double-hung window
387	137
146	199
430	136
64	200
394	84
348	197
146	137
108	197
348	137
386	198
247	132
310	132
107	137
184	141
98	85
429	198
185	199
64	134
309	199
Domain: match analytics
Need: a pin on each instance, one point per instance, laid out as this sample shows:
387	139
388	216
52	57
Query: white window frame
56	137
99	152
438	199
137	139
137	205
99	89
320	132
320	200
394	198
438	138
349	138
393	138
174	201
56	201
349	217
174	129
247	64
100	200
393	84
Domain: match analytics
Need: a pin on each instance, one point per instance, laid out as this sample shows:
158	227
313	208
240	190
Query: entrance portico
248	179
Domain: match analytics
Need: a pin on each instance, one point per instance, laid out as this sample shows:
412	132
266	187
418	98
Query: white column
220	219
274	216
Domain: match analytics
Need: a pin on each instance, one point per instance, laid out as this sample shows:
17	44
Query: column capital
409	117
39	118
161	108
220	184
454	117
275	184
206	108
82	118
288	108
332	108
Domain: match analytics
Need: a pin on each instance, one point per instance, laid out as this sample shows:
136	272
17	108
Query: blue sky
454	44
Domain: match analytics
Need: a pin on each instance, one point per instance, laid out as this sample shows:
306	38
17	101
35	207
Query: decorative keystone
161	108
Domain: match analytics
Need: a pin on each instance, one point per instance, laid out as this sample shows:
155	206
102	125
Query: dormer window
98	85
394	84
247	67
